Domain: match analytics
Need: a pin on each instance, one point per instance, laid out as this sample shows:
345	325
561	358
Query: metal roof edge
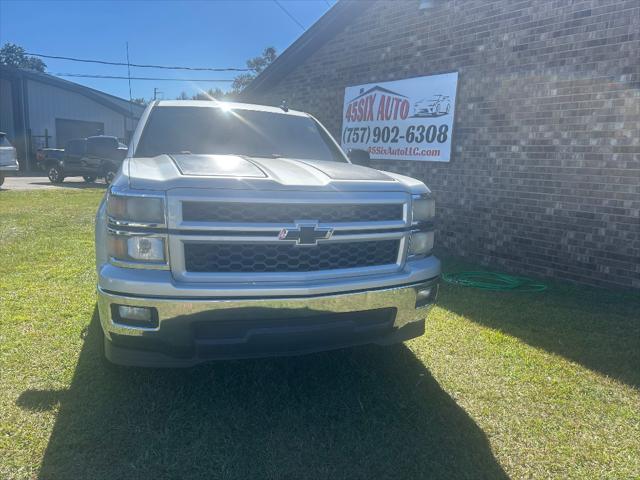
95	95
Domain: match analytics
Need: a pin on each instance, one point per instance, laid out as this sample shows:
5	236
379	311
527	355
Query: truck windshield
202	130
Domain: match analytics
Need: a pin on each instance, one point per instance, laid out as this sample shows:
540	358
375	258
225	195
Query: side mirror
358	156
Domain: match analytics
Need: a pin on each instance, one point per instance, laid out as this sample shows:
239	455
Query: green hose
497	282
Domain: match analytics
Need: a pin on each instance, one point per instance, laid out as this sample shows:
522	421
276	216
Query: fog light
141	317
139	314
426	295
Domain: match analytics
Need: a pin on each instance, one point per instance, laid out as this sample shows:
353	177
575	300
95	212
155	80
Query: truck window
75	147
102	146
203	130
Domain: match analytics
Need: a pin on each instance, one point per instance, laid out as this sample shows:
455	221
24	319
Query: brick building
544	174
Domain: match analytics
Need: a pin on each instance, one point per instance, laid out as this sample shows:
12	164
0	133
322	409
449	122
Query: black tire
109	175
89	178
1	180
55	174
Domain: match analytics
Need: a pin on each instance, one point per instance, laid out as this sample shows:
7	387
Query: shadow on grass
360	413
598	329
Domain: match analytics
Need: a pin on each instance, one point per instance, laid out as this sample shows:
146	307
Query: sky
213	33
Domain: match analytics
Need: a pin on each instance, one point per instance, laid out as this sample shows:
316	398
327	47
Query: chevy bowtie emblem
305	234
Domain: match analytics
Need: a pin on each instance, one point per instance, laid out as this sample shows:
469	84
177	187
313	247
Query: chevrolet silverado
236	231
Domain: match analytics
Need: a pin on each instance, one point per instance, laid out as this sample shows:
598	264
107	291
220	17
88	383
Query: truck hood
166	172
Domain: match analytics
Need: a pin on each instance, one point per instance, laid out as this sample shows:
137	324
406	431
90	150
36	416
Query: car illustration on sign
436	106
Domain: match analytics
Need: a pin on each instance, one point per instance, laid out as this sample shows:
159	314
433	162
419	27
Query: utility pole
155	93
129	75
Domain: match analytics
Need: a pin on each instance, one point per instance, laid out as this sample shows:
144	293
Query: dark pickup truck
90	158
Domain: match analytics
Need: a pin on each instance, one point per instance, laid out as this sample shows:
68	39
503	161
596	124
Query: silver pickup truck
236	231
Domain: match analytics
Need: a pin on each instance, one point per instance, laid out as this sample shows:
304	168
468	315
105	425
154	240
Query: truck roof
226	105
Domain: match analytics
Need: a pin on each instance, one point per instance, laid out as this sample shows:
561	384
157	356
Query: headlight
136	209
423	209
137	248
420	243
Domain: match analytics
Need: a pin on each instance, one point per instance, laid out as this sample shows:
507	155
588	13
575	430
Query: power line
116	77
122	64
289	15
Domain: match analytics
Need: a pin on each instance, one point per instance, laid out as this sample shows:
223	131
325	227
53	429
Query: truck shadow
82	185
359	413
596	328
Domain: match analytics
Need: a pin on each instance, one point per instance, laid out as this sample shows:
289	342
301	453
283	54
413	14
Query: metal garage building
39	110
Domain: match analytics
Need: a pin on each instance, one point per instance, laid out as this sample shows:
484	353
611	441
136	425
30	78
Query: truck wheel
55	174
109	176
1	180
89	178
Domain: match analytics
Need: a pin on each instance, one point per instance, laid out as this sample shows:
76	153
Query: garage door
69	129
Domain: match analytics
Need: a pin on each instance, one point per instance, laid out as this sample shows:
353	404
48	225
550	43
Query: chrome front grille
248	236
289	213
286	258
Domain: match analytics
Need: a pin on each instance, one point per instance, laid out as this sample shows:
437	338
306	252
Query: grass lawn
529	385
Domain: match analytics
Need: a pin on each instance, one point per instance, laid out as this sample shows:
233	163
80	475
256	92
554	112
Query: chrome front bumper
191	330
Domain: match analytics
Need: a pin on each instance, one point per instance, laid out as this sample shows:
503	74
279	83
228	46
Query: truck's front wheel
109	175
55	174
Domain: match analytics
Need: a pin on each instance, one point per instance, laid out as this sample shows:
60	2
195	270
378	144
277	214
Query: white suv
8	158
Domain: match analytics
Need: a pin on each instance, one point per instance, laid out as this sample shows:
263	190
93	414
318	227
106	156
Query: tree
14	56
211	94
140	101
256	65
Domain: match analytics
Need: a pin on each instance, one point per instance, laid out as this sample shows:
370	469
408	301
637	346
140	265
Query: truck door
74	153
102	151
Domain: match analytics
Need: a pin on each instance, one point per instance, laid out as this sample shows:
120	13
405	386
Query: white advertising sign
409	119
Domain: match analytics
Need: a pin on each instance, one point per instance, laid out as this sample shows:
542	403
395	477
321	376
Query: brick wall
545	171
